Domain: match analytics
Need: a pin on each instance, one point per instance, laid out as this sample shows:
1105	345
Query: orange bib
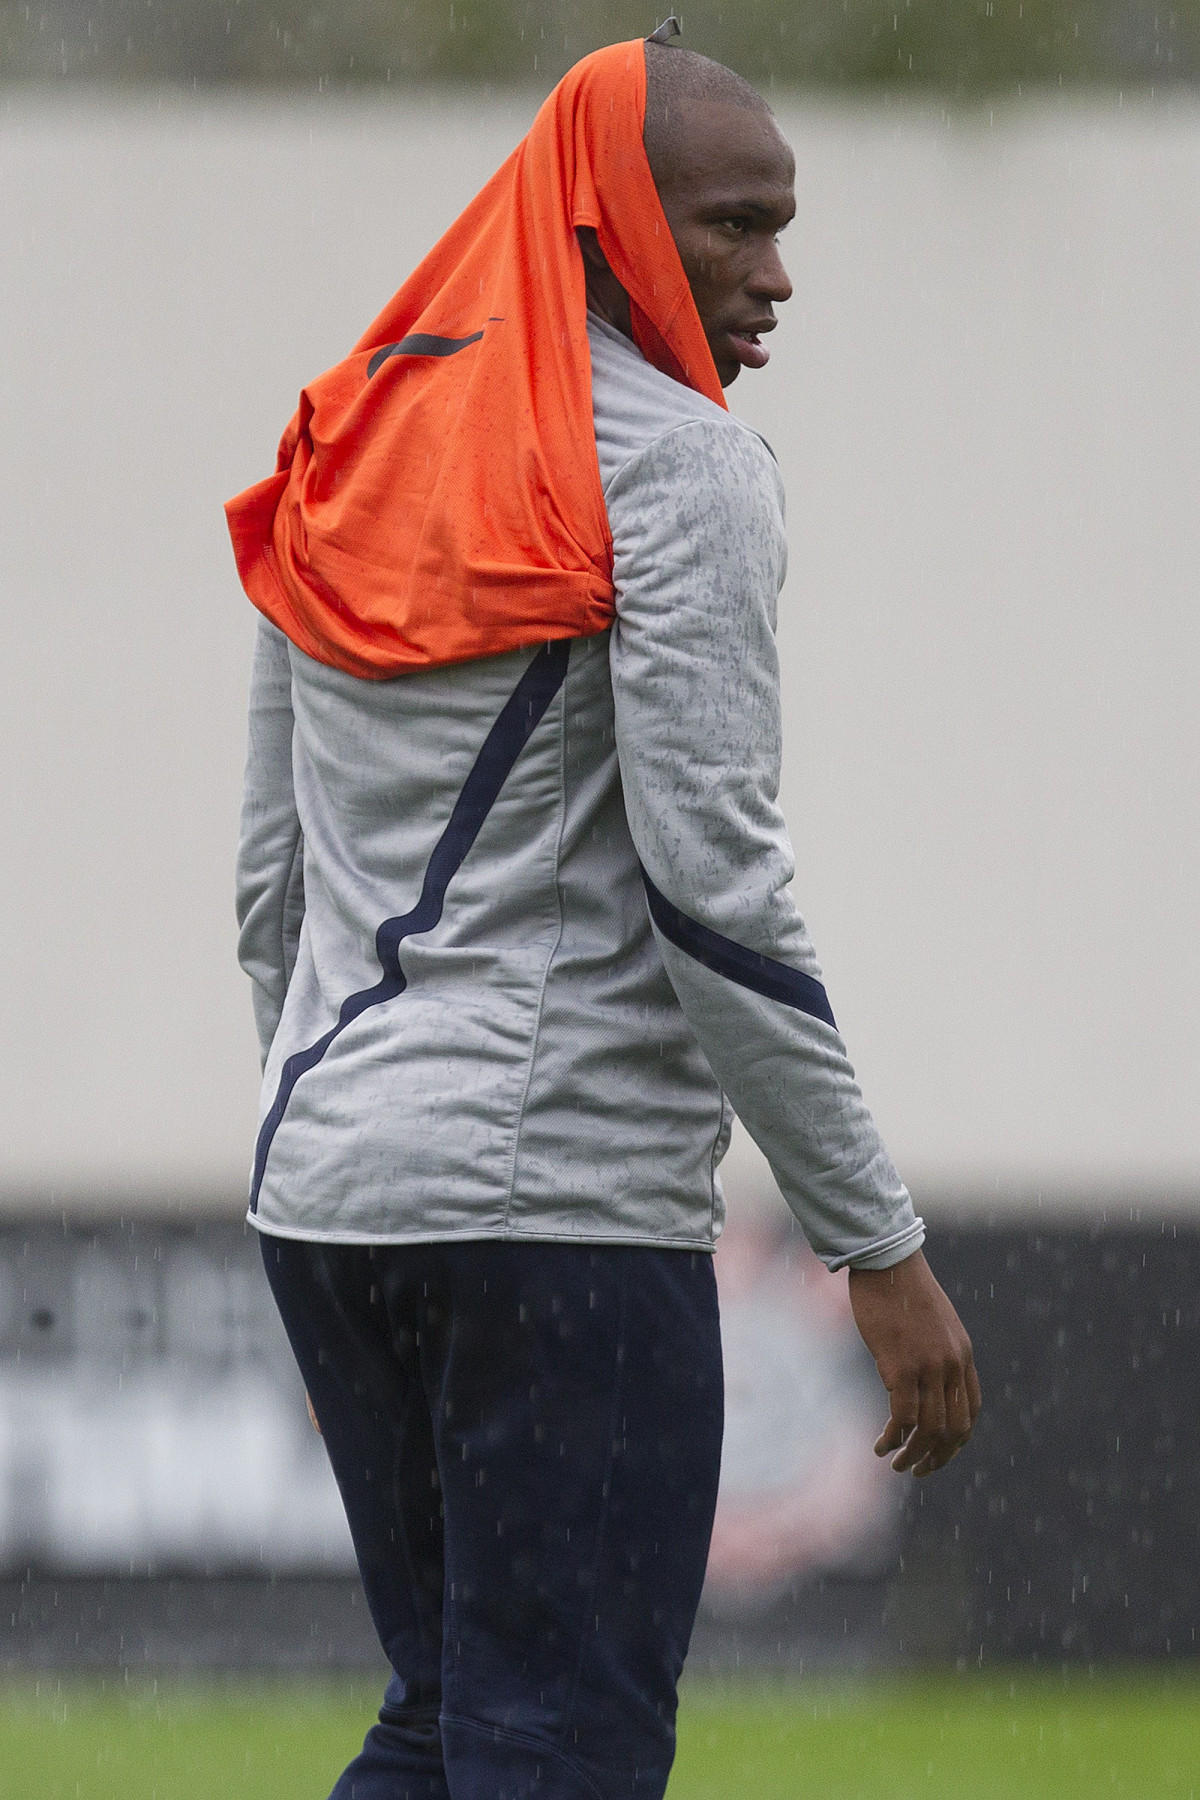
437	495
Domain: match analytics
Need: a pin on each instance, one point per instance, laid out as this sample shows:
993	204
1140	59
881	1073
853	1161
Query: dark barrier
163	1501
1071	1525
1069	1528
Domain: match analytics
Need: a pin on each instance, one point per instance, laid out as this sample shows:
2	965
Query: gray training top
520	929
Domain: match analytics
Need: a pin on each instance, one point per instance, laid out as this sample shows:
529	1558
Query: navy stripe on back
761	974
503	745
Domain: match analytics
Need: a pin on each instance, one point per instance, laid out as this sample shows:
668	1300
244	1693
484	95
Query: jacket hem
478	1234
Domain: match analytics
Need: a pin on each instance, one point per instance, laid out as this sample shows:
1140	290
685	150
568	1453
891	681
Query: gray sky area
984	399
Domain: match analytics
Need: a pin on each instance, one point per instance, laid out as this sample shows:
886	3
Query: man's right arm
270	859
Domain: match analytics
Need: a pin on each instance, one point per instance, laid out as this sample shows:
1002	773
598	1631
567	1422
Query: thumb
905	1403
890	1438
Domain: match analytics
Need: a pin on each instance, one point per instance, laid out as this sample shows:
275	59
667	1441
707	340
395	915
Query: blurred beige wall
984	398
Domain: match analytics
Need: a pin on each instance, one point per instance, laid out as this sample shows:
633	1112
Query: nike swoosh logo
421	343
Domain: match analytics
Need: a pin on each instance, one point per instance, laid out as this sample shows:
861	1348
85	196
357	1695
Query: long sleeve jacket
521	931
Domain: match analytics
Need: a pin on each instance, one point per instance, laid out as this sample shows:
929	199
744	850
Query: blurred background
984	399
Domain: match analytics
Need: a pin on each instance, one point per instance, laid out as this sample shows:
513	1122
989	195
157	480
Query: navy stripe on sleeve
761	974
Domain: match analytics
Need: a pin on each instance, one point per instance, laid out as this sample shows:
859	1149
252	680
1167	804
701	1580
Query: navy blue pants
527	1440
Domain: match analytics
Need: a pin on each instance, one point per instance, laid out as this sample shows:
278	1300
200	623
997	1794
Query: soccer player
514	898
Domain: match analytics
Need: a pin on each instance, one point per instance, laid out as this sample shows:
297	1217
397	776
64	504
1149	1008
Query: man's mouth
746	347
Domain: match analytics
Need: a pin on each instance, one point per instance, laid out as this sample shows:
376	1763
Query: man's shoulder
635	406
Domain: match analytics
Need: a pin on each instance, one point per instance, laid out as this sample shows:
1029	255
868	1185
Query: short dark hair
673	77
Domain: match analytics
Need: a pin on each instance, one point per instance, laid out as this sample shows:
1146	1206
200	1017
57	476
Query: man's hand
924	1359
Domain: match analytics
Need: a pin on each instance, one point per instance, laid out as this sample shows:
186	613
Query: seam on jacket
289	953
554	948
275	988
674	430
297	846
722	1102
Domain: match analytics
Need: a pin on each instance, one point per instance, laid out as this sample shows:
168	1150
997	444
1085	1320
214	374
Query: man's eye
736	225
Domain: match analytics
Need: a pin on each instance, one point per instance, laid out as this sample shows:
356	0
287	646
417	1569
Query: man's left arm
699	556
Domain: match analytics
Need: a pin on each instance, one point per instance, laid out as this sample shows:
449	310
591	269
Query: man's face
729	193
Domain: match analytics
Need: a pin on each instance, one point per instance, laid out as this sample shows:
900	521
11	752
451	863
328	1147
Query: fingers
891	1438
905	1401
930	1436
930	1422
312	1414
958	1410
974	1391
950	1402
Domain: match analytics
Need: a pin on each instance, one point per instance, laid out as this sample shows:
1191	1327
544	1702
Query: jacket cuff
885	1251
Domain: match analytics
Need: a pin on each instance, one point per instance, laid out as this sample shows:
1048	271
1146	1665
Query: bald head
677	81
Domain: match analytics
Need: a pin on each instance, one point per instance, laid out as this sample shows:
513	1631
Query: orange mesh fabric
436	495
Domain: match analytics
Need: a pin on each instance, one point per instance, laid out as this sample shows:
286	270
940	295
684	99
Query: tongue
749	352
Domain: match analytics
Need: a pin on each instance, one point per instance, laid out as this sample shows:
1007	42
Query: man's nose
769	279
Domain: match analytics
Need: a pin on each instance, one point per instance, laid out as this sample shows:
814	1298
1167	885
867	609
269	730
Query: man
514	897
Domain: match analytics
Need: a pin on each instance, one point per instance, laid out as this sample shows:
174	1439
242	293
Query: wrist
911	1268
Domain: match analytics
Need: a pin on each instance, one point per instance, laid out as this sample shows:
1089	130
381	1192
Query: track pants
527	1441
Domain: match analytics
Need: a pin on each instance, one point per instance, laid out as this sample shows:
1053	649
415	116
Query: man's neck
605	295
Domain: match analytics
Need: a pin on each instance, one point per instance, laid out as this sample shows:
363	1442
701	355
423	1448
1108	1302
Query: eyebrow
754	207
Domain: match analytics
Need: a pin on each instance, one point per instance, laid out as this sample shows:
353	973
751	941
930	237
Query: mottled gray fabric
270	873
554	1069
